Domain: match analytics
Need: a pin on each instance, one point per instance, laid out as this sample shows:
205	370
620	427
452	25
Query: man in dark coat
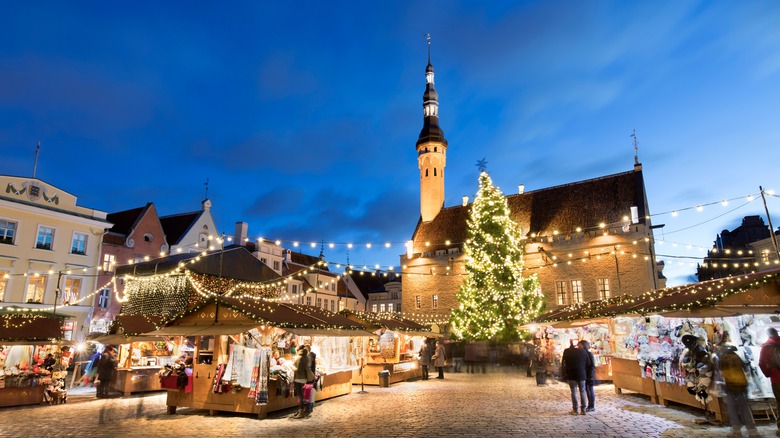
574	365
590	377
106	366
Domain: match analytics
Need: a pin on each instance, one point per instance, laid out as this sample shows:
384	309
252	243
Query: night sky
304	115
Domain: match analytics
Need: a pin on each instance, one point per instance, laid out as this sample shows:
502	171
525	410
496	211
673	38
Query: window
308	301
390	307
72	290
560	292
7	231
393	295
417	301
4	275
264	260
203	240
276	265
79	245
36	286
341	305
576	291
764	252
603	288
382	308
332	305
319	302
374	308
148	237
109	260
435	301
104	299
294	288
45	238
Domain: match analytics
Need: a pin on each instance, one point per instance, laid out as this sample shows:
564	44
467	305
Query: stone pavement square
502	403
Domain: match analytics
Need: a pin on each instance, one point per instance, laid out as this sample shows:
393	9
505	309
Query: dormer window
148	237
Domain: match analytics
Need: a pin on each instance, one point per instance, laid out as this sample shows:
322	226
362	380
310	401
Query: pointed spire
38	151
431	130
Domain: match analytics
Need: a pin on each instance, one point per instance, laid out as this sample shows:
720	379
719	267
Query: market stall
140	357
244	350
552	339
666	342
33	357
392	350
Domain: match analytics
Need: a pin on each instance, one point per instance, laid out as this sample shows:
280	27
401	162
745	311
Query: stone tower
431	150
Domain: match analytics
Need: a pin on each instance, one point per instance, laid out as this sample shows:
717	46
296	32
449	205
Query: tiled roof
124	221
561	208
175	226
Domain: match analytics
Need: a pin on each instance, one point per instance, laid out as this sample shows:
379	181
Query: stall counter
28	395
202	397
399	372
136	379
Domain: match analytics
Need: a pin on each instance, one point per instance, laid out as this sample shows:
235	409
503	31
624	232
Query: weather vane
636	147
207	188
481	165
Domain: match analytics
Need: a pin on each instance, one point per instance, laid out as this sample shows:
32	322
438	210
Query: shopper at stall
574	364
106	368
303	375
768	362
590	377
457	356
425	358
439	359
733	371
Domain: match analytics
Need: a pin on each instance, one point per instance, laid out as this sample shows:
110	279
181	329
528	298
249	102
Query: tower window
436	149
426	172
434	171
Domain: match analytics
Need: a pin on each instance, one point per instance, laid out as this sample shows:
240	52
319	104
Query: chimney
521	189
465	201
241	230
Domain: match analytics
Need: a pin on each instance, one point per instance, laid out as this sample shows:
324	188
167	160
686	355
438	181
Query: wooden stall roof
26	327
237	315
743	294
236	263
374	321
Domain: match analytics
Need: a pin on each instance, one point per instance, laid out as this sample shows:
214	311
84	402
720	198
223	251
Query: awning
327	332
116	339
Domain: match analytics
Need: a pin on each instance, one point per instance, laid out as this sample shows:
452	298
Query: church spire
431	149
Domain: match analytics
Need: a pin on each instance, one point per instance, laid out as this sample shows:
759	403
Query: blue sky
304	115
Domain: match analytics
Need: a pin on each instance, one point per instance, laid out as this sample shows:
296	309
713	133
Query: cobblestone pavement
497	404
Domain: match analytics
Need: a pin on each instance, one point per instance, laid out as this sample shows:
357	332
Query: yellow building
49	250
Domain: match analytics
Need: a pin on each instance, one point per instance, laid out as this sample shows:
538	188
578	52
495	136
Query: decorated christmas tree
494	299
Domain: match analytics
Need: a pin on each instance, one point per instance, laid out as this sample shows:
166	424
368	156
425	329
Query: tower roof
431	131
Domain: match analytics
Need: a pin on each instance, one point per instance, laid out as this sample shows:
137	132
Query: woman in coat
439	359
425	359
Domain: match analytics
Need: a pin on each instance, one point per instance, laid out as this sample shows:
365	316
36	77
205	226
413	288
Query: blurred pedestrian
106	367
768	362
425	358
457	356
302	378
439	359
732	369
574	364
590	377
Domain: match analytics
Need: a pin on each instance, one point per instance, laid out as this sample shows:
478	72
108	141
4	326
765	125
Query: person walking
106	366
590	377
768	364
457	356
574	364
303	375
439	359
733	371
425	358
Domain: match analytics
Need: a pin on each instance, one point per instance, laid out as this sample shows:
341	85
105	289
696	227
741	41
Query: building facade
585	240
745	249
49	250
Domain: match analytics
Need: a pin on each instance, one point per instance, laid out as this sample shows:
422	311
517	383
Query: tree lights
494	298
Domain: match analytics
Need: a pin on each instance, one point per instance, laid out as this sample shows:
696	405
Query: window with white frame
79	244
603	288
45	239
394	295
435	301
72	290
374	308
560	292
264	260
417	302
7	231
104	298
4	276
382	308
342	305
294	289
390	307
276	265
332	305
109	260
308	301
36	286
576	291
319	302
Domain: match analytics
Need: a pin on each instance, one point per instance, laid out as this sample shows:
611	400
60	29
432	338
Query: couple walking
578	368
